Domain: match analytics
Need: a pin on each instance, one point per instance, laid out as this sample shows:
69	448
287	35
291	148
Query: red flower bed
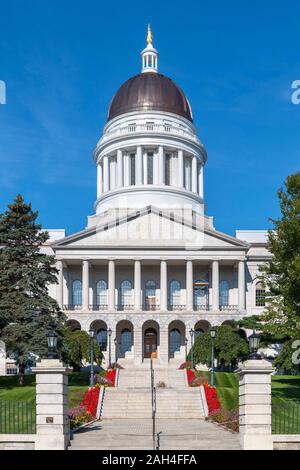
111	375
190	376
212	399
90	401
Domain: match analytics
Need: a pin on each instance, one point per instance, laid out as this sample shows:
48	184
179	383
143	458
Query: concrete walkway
134	434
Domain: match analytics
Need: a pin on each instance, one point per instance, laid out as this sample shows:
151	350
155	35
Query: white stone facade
150	266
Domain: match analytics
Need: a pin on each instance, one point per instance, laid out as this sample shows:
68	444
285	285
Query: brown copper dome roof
149	92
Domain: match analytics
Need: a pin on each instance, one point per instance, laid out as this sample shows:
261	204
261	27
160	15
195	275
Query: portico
158	285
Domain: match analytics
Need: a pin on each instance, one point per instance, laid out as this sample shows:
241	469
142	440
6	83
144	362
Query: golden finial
149	35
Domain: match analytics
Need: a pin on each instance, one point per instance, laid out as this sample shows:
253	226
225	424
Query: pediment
151	228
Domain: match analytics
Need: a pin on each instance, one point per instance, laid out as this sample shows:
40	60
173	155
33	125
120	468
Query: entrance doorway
150	344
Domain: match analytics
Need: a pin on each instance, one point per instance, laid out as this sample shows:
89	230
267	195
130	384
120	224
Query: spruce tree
27	312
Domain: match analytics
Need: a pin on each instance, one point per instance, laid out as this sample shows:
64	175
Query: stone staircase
132	398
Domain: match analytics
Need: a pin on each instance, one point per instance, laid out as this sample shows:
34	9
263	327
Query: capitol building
150	270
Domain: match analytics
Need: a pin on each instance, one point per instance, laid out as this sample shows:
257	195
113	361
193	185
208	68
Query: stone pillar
215	286
161	165
85	284
189	286
138	344
60	285
139	166
99	180
241	286
105	173
137	285
52	422
180	168
164	345
163	285
194	174
119	168
111	285
255	410
2	358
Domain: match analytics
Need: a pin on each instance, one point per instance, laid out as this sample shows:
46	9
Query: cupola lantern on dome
149	55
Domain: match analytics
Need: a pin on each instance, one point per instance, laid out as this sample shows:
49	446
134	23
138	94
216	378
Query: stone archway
73	325
125	339
202	326
100	328
150	339
177	335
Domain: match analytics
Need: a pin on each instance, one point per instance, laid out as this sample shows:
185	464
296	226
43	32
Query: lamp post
116	350
254	341
92	335
186	343
192	344
52	343
212	333
109	332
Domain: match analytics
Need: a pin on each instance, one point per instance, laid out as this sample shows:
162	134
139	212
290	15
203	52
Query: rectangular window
132	127
149	126
168	169
150	168
132	169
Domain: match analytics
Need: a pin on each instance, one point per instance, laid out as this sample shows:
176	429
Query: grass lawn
12	393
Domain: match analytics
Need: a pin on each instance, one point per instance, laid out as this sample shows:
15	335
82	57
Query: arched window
224	294
201	291
101	293
150	295
175	293
260	294
175	340
76	292
126	340
126	293
102	339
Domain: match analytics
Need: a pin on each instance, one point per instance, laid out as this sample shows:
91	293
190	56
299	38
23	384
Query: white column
200	181
180	168
161	165
119	168
255	408
139	166
215	286
189	285
60	286
194	174
137	285
85	284
105	174
99	180
163	285
111	285
241	285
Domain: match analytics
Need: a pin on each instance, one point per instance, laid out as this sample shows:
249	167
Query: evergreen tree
27	312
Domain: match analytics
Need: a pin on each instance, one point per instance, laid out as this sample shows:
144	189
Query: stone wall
17	441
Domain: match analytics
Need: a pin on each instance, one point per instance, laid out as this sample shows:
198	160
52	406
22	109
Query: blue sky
63	60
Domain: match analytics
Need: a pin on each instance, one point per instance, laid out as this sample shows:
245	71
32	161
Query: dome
150	91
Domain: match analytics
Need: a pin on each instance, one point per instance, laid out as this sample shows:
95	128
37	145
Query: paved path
134	434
